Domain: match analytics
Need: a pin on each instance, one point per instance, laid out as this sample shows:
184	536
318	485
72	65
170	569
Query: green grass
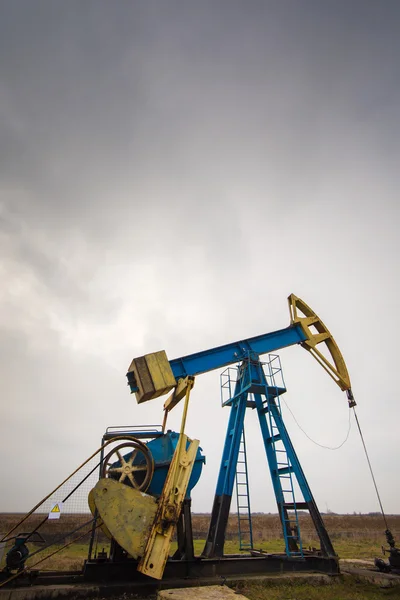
350	548
339	589
344	548
73	556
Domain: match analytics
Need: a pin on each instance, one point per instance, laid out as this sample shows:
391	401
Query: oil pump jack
255	388
147	473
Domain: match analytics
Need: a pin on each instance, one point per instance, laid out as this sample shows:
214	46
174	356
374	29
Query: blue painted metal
230	452
222	356
253	389
283	462
162	449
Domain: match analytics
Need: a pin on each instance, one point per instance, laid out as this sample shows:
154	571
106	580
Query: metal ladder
284	470
290	521
243	498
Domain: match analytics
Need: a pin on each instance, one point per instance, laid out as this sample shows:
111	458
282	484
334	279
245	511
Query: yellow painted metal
160	371
170	503
164	368
153	374
307	320
128	514
92	507
178	393
169	509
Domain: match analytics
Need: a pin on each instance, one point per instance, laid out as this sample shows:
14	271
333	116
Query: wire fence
61	530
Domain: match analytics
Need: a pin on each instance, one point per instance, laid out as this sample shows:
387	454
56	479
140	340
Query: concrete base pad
212	592
116	590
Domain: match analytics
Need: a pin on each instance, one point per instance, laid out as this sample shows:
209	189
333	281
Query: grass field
353	536
339	589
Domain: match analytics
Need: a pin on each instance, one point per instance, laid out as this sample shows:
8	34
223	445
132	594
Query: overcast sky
170	171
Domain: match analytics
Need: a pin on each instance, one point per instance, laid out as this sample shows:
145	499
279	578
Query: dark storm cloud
114	96
170	171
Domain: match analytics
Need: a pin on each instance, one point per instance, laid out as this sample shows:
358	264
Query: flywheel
130	463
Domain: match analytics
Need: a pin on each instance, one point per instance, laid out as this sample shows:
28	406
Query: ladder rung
285	470
295	505
242	495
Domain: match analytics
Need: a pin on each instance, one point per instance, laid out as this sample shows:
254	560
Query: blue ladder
243	499
284	473
276	444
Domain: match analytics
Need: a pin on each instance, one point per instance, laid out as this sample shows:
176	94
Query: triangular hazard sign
55	509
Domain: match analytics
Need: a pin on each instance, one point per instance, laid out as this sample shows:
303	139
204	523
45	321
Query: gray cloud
169	173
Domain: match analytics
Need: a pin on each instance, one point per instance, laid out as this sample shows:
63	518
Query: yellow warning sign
55	511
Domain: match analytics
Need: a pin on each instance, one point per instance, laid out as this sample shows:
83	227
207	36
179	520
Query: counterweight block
151	376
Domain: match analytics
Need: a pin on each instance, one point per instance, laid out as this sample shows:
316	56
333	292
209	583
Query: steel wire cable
337	448
371	471
310	438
